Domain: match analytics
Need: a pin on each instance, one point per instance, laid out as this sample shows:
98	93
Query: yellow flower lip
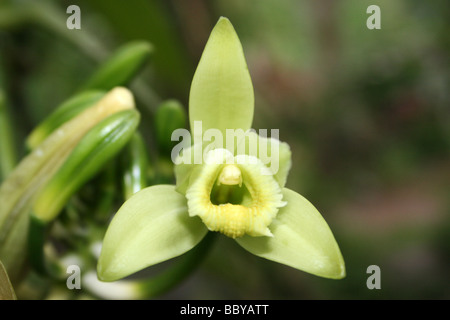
235	198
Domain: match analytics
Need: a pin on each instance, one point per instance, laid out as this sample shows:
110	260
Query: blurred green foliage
366	113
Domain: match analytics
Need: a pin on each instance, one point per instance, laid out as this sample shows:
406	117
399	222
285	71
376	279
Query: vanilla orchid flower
233	190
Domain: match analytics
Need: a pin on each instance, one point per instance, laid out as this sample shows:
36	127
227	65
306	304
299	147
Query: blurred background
366	113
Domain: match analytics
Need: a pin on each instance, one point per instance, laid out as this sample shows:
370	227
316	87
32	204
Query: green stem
8	154
105	202
36	242
178	272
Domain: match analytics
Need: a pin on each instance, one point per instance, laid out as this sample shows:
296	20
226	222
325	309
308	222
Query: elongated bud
97	147
169	116
134	163
18	191
65	112
119	69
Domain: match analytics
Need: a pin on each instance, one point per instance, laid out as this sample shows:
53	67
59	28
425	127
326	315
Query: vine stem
37	235
8	159
178	272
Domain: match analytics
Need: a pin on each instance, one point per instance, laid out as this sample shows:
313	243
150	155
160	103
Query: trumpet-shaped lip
254	214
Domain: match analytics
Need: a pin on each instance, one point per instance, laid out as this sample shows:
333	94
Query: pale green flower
232	191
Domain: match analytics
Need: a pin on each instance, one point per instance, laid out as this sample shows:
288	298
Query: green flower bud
169	117
119	69
98	146
134	163
66	111
18	191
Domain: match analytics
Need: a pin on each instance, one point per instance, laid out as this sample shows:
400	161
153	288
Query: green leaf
6	289
119	69
99	145
221	93
301	239
151	227
275	154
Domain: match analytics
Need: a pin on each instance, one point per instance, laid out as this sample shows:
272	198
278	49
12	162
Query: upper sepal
221	93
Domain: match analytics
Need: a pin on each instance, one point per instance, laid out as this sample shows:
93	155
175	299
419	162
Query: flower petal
221	94
301	239
151	227
275	154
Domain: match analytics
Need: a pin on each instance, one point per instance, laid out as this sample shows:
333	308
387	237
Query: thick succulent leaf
275	154
151	227
221	93
301	239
